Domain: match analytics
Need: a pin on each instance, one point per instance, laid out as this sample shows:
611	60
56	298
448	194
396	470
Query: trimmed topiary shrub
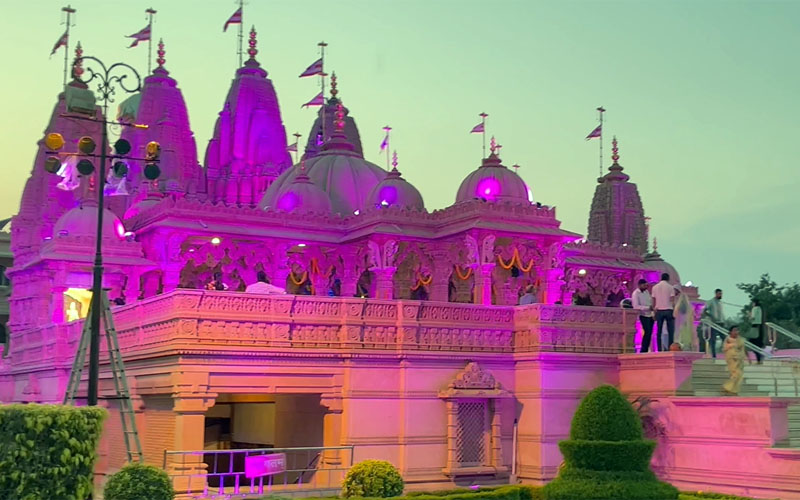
138	481
373	478
606	457
48	451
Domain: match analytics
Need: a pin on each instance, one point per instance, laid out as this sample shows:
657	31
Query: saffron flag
598	132
142	35
62	42
292	148
314	69
385	143
478	129
236	18
318	100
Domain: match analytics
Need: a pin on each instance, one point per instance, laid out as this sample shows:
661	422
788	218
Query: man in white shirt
643	304
262	286
663	303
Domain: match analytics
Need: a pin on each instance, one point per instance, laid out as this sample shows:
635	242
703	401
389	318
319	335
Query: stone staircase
772	378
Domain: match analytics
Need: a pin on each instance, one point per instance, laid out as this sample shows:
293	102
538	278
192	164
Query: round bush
605	415
609	489
608	455
372	478
138	481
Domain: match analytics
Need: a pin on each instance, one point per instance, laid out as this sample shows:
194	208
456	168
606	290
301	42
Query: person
263	286
216	282
663	304
684	320
733	347
529	297
757	324
582	299
713	313
643	304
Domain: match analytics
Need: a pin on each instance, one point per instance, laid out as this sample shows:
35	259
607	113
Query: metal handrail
749	345
783	331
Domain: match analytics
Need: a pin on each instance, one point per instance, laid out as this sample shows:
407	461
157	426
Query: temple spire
334	90
252	51
161	53
77	65
394	161
614	150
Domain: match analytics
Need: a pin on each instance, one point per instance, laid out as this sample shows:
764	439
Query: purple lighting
288	202
488	188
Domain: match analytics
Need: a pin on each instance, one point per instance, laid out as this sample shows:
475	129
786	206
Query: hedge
137	482
605	415
48	451
373	478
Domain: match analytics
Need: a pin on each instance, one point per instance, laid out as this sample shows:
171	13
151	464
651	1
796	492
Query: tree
779	303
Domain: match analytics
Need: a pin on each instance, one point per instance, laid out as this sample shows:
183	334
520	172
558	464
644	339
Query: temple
392	308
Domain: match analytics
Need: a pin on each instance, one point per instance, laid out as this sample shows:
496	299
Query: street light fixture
108	79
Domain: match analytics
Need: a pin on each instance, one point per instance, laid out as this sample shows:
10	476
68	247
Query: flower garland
463	277
422	281
315	269
515	258
301	281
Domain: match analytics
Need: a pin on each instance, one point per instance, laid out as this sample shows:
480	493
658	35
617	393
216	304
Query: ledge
484	470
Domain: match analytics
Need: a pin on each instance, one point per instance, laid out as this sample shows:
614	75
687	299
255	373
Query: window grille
471	433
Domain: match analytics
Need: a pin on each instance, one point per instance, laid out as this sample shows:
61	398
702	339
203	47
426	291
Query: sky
701	94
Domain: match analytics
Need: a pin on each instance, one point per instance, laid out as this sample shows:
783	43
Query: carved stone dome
395	191
343	174
303	196
492	181
81	221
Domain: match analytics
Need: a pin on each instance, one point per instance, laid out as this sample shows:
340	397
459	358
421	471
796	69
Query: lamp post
108	78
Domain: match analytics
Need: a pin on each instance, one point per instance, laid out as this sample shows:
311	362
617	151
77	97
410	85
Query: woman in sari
684	321
734	357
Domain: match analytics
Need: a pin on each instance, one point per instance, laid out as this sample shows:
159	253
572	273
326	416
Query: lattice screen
471	433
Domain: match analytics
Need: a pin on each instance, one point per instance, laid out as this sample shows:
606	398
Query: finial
334	91
252	42
497	149
161	52
492	145
394	160
515	167
614	150
339	117
303	167
655	245
77	66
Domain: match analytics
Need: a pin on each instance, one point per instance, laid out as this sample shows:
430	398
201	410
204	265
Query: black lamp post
109	79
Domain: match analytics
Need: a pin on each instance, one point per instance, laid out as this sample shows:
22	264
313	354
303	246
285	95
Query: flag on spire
314	69
142	35
292	148
318	100
62	42
385	142
478	129
236	18
597	132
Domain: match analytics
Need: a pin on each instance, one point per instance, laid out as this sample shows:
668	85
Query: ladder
132	444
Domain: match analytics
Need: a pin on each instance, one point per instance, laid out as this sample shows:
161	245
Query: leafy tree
779	303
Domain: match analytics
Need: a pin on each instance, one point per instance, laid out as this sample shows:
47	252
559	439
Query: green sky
701	94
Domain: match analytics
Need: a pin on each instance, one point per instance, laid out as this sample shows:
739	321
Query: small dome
492	181
81	221
656	265
395	191
343	174
303	196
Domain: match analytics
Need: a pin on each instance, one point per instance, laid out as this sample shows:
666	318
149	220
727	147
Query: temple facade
390	309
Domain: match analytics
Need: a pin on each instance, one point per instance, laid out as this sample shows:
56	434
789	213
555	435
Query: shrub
138	481
48	451
372	478
605	415
606	456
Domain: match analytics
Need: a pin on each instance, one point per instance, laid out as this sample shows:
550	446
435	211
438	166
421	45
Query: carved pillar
132	291
496	453
452	432
172	276
57	304
384	278
554	286
190	421
320	284
483	284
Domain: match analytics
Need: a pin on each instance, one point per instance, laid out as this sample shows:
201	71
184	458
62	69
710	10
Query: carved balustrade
217	321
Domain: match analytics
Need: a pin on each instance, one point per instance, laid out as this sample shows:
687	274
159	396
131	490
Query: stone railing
213	321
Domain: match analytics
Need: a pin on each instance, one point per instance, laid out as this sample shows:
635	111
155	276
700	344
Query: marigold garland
302	280
515	258
463	277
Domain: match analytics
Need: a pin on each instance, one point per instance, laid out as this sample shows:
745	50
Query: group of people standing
665	306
